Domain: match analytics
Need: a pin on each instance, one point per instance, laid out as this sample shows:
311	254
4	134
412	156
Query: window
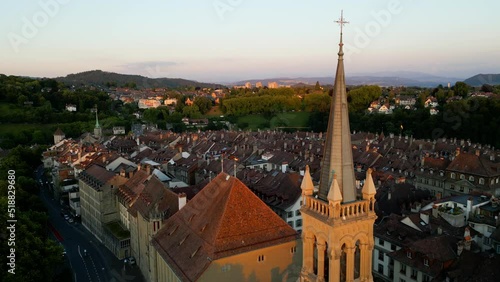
426	278
414	273
461	188
290	214
403	268
452	175
462	176
471	178
408	254
426	262
481	181
298	223
487	241
290	223
293	250
261	258
393	247
402	280
381	269
226	268
391	261
490	229
452	187
381	242
297	212
380	255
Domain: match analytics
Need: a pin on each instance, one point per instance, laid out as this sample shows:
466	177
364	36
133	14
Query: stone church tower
337	223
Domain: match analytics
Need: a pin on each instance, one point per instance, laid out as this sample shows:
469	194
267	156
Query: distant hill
480	79
101	78
381	79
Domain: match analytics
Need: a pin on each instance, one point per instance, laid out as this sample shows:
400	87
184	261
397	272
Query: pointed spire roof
337	154
334	194
369	186
96	120
307	185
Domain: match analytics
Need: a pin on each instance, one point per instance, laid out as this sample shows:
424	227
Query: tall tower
337	225
97	128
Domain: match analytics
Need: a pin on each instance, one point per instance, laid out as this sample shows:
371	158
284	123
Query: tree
317	87
204	104
461	89
360	98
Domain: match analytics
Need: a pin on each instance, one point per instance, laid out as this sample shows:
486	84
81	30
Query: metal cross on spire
341	21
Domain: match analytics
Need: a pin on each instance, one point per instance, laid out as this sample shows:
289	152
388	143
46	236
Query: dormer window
462	176
471	178
452	175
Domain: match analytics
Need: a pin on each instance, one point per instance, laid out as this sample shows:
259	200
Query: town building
225	233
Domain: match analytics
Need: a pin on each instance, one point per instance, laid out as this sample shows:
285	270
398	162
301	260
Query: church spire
337	154
96	119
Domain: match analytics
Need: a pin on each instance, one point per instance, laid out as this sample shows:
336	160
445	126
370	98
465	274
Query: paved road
88	258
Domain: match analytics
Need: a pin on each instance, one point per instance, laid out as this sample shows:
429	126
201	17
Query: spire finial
341	22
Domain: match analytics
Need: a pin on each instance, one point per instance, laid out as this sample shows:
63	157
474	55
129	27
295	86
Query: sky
232	40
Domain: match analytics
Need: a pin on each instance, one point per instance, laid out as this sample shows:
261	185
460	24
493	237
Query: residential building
225	233
154	204
99	209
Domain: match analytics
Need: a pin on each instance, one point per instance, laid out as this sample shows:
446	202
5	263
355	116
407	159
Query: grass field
283	120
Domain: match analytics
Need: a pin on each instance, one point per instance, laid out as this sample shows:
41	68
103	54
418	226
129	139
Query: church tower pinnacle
97	128
337	226
337	153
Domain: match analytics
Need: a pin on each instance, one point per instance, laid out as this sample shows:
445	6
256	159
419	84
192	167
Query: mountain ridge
101	78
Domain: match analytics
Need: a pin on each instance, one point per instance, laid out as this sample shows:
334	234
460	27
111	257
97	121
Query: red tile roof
222	220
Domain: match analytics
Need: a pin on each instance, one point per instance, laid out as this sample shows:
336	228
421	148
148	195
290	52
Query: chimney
469	208
122	172
435	211
182	200
284	167
478	153
457	151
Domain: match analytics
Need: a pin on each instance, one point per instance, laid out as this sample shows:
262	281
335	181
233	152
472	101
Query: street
89	259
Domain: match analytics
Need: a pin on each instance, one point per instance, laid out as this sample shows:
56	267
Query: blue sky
229	40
